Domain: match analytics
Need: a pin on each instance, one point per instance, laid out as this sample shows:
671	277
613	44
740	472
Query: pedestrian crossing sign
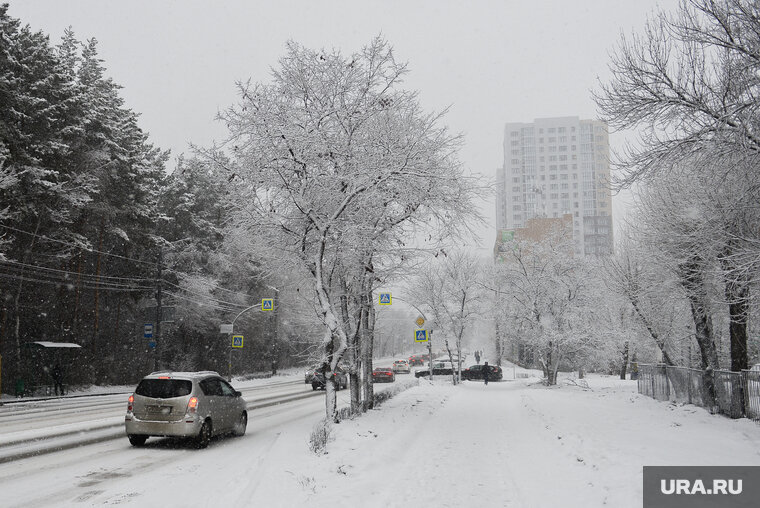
267	303
237	341
385	299
420	335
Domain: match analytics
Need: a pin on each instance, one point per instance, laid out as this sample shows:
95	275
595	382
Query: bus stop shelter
39	359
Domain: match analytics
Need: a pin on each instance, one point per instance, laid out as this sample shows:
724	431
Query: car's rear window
164	388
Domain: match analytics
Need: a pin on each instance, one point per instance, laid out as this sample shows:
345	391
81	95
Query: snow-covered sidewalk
513	444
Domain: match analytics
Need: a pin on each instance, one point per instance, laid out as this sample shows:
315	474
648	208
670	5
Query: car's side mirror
238	394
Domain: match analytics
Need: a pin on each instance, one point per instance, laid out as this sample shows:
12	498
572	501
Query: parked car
401	366
439	368
476	372
318	380
197	405
383	375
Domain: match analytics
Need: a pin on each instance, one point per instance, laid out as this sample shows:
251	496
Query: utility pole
275	343
157	338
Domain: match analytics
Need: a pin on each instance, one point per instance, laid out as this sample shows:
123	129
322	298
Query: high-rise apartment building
558	166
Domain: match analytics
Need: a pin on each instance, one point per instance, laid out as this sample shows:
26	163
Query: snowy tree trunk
352	352
624	365
17	300
335	341
77	292
737	295
692	279
652	333
549	370
367	349
97	283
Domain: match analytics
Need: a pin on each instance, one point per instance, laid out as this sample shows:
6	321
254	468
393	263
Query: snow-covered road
510	444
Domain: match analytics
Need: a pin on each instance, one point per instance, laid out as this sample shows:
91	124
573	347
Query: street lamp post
229	339
232	326
430	337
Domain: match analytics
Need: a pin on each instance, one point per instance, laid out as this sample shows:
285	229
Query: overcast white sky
492	62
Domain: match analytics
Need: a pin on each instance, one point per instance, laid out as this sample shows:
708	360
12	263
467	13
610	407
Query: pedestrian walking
477	357
486	372
58	379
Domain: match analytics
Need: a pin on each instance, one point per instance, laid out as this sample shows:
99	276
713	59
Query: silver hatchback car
198	405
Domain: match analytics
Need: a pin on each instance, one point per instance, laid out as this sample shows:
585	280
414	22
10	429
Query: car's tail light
192	405
130	401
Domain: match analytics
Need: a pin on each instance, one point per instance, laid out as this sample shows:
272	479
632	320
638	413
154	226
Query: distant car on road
401	366
309	376
383	375
416	360
197	405
318	380
475	372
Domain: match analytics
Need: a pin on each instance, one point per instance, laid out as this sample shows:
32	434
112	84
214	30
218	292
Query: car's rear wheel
241	424
204	435
314	387
137	440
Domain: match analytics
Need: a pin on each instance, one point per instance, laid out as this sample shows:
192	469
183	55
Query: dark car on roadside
475	372
440	368
318	380
383	375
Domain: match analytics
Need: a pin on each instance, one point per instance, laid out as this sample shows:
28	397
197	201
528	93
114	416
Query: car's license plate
165	410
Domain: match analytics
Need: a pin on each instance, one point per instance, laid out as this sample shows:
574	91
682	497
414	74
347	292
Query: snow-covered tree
644	280
548	297
331	160
450	287
690	84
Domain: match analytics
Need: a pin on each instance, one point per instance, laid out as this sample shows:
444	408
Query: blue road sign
237	341
420	335
267	303
148	331
384	299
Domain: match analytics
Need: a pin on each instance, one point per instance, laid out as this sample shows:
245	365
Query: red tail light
130	402
192	405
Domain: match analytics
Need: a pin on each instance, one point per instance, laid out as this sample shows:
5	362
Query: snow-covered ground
514	443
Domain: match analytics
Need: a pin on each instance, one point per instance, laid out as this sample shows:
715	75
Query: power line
68	272
208	284
200	295
69	244
204	304
102	281
106	287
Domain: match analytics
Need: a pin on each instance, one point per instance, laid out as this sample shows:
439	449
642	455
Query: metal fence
752	394
735	394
